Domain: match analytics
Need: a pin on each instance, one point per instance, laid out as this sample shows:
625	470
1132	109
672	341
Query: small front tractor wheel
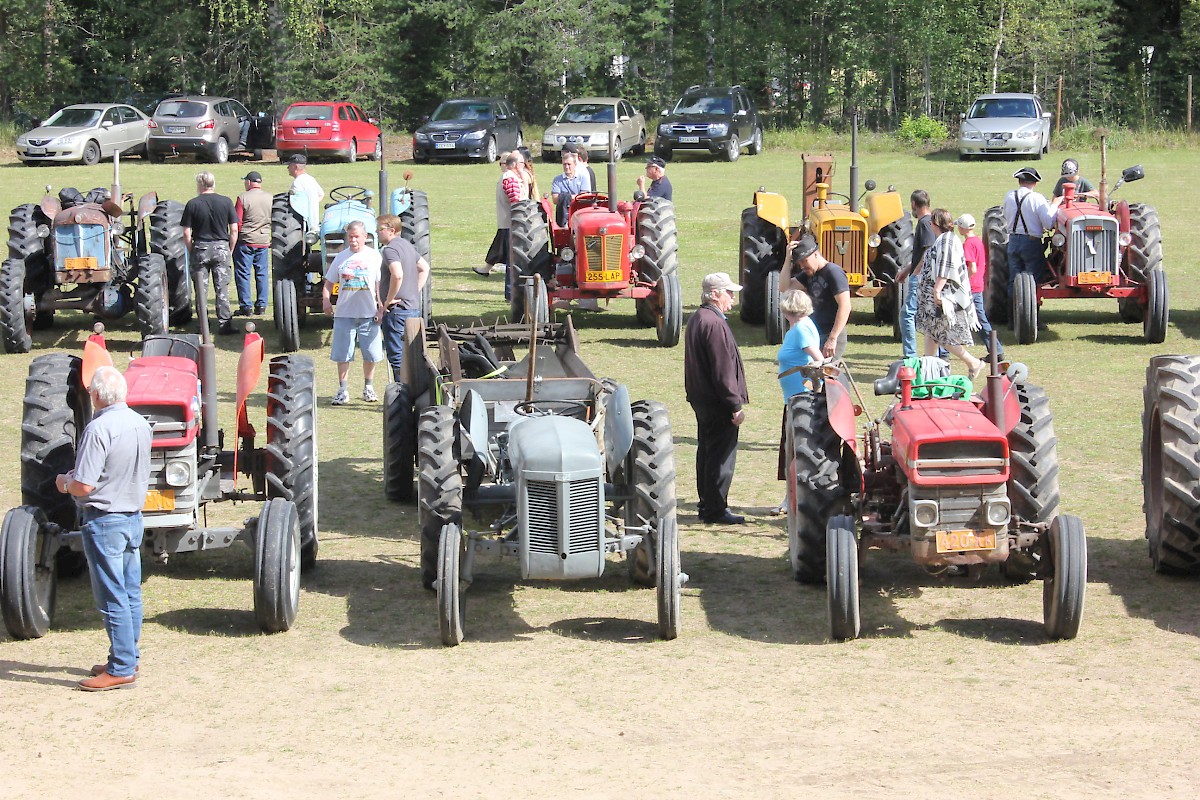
650	471
1025	309
1065	583
291	452
28	579
451	592
166	239
1130	310
16	328
439	484
669	320
1158	308
1171	463
776	325
815	491
150	296
399	442
277	566
761	249
670	583
841	575
287	315
995	294
537	303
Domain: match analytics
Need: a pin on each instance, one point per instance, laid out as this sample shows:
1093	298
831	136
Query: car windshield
74	118
308	112
460	110
1011	108
180	108
694	105
588	112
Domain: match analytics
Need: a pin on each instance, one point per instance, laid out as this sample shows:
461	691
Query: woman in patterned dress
945	309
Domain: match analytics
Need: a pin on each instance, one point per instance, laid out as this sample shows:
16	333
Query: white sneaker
369	394
485	270
341	398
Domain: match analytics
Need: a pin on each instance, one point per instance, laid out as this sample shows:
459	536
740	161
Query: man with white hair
109	483
210	231
715	383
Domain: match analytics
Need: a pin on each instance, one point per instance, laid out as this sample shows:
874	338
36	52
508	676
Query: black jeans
716	457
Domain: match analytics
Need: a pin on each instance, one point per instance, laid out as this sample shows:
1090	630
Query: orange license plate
965	541
87	262
1093	278
855	278
603	276
159	500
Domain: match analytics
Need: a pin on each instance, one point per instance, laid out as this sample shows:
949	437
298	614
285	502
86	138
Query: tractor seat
182	345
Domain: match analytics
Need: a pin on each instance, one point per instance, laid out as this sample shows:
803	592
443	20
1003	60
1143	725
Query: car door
741	112
133	129
239	113
625	126
368	132
506	125
108	135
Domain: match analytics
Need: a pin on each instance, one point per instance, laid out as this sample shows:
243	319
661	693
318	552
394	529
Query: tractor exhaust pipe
853	201
384	208
210	431
115	190
612	186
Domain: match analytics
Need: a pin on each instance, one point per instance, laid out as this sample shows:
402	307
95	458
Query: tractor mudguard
883	208
95	355
50	206
773	208
841	410
146	205
301	205
618	428
249	370
473	444
1012	406
401	200
1121	212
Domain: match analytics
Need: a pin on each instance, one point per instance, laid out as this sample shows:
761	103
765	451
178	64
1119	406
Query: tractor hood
554	448
948	442
164	389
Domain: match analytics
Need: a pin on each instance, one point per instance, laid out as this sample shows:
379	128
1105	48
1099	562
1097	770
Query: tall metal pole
1058	114
853	160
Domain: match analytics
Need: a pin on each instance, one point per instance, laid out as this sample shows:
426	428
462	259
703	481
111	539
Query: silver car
1005	124
86	133
598	124
208	127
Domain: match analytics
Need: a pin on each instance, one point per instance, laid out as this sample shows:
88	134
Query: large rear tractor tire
150	296
291	450
414	228
815	490
841	578
287	240
25	245
439	484
761	249
28	583
1171	463
656	232
399	442
650	470
166	239
1144	254
995	294
1025	309
1065	582
16	329
277	566
1033	479
893	254
528	239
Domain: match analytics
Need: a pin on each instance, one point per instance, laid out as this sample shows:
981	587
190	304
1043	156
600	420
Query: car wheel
352	152
520	140
377	153
733	149
489	154
91	153
616	151
220	153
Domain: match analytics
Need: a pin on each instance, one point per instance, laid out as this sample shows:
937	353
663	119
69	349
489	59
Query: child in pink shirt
975	254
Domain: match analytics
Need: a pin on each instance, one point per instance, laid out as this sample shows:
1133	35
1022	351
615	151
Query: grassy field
953	685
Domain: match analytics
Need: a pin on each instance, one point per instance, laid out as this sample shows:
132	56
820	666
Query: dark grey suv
719	119
210	127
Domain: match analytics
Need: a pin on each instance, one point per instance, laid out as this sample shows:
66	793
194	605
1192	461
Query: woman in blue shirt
801	346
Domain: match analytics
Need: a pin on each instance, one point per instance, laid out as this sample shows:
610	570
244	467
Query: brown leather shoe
104	682
100	669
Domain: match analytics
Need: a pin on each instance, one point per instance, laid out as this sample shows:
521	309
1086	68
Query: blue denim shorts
360	331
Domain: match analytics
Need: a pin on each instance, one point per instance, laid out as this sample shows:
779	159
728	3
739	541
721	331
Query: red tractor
193	464
1097	249
958	481
608	249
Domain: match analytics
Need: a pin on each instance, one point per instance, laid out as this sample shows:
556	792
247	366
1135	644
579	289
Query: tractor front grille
563	517
543	517
961	507
845	246
1093	245
603	252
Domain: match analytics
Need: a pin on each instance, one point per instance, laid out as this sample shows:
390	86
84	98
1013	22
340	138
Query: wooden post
1103	134
1189	104
1058	115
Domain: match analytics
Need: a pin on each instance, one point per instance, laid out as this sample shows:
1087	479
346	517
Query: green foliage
922	129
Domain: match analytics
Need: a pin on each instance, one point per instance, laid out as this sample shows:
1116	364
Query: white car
86	133
1006	124
599	124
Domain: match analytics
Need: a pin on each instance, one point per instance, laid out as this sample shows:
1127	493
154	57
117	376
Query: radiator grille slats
845	248
543	517
1093	250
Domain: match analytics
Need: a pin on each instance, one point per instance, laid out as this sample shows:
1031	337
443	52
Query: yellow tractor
870	244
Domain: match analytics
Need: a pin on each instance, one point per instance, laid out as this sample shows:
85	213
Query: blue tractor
303	248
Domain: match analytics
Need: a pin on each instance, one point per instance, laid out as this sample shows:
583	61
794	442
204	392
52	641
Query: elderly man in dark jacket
715	382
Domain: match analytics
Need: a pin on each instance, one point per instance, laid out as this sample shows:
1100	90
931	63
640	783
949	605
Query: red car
335	130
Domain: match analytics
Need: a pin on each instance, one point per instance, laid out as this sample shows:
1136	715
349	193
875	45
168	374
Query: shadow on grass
1187	321
1001	630
1168	601
16	672
210	621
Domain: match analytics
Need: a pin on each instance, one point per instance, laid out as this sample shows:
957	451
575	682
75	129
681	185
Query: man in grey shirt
404	276
109	483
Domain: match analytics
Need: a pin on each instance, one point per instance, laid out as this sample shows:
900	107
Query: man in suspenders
1028	215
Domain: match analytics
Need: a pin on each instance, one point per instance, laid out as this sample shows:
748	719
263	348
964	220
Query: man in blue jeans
404	274
923	238
1028	216
109	482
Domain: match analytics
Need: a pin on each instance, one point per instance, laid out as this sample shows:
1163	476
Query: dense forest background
1122	62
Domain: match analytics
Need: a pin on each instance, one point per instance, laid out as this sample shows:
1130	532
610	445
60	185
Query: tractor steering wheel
349	193
840	196
549	407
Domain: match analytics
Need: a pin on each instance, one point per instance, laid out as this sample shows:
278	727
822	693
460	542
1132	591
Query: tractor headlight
178	473
312	237
718	129
1058	240
637	253
43	231
925	513
1125	238
664	129
567	254
117	228
997	512
873	240
473	136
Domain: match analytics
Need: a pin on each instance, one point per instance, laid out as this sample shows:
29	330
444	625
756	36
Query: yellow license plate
1093	278
87	262
964	541
855	278
159	500
603	275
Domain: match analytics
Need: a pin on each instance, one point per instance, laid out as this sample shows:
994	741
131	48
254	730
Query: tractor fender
773	208
401	200
95	355
1121	212
473	422
618	428
249	370
883	208
841	410
50	206
146	205
1012	406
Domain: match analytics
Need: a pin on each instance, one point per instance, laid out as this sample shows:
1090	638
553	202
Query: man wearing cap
828	287
714	381
1028	217
975	255
253	208
303	182
1070	174
660	184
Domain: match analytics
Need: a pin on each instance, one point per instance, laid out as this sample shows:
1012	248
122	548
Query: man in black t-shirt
402	279
826	284
923	239
210	229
